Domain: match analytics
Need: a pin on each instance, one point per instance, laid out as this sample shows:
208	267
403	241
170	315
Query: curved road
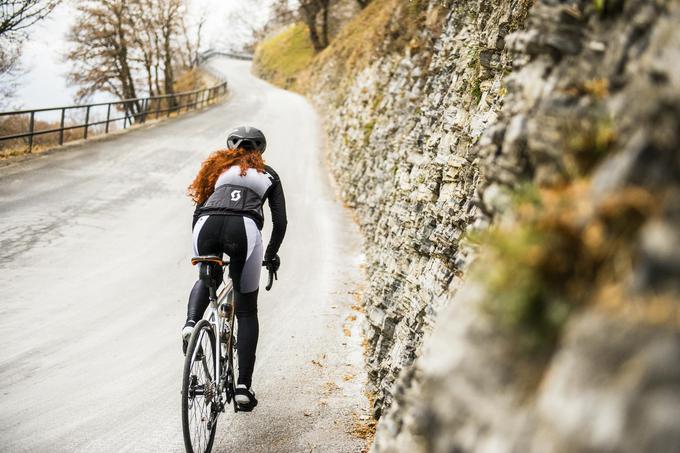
95	244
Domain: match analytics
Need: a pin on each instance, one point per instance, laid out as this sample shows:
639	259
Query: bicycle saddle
208	259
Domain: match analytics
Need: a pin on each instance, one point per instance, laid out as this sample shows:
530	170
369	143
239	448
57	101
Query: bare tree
144	39
281	12
17	15
199	33
121	45
102	37
315	15
169	14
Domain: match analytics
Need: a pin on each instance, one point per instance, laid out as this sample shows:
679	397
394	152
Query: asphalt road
95	243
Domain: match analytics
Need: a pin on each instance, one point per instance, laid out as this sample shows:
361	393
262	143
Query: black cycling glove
273	263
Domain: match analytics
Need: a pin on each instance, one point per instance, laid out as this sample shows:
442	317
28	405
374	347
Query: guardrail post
158	107
61	127
31	125
87	121
108	117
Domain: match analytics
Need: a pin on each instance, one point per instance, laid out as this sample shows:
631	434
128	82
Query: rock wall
433	140
402	149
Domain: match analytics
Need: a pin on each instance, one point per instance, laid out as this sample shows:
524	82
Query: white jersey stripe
197	230
252	233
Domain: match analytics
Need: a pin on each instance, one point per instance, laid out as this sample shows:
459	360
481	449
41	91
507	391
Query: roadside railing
132	111
208	54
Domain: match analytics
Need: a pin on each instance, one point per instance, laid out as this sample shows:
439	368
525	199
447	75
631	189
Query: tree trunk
310	10
125	75
157	65
325	7
168	74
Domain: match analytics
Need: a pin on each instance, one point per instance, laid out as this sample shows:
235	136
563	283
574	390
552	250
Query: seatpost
205	274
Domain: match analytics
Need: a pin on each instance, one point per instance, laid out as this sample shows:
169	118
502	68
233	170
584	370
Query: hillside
514	166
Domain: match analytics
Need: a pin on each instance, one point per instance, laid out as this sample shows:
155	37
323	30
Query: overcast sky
44	82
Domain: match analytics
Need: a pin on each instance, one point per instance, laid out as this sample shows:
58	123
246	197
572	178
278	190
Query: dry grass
364	428
384	26
193	79
562	250
281	58
19	124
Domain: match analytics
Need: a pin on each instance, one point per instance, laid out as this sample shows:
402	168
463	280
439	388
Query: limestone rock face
428	142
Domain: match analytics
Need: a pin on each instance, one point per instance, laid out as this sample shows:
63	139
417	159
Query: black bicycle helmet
247	137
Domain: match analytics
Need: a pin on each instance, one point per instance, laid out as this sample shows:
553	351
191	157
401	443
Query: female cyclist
229	192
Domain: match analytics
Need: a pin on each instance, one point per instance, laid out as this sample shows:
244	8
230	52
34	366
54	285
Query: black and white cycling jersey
244	196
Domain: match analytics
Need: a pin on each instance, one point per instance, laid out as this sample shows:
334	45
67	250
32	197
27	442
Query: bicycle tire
196	418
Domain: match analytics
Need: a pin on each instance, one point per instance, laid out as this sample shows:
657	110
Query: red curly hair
211	169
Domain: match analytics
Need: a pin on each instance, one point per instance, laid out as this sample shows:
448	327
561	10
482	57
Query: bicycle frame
217	322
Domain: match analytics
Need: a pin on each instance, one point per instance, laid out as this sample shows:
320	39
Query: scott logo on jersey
235	195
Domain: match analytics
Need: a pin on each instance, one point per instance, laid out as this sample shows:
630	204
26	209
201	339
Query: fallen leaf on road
331	386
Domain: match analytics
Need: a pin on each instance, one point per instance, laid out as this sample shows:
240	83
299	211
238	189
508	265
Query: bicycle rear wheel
199	391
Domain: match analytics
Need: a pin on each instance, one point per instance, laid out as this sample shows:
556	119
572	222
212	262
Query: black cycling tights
235	236
248	325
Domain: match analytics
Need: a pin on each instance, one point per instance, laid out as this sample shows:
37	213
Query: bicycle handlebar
272	275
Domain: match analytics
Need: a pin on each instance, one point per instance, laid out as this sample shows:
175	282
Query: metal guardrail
208	54
136	110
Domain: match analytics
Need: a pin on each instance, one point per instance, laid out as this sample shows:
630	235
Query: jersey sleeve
277	205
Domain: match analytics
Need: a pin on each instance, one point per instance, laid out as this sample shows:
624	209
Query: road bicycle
211	362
